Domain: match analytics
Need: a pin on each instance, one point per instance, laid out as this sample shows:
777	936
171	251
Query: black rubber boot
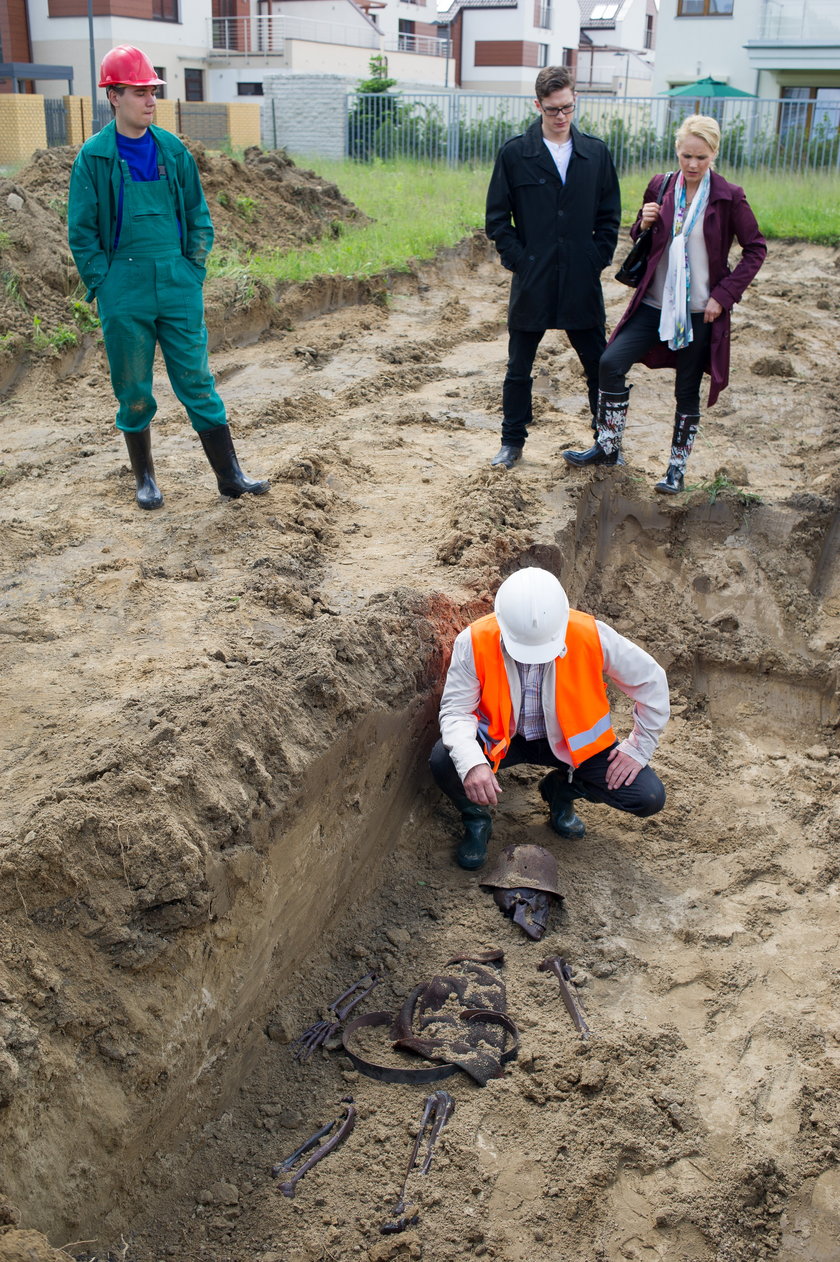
478	829
609	428
219	450
672	483
554	791
139	446
593	455
686	425
506	456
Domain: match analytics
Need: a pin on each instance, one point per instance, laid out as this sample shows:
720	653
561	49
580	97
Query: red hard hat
125	64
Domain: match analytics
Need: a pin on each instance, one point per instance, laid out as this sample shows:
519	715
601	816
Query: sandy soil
218	814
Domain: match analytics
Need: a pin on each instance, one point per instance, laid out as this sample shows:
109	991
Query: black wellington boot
564	821
139	446
609	428
686	425
478	828
219	450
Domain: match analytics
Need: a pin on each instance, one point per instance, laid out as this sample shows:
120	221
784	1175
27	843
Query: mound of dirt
263	203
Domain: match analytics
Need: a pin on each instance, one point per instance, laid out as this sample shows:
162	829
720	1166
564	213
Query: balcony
797	35
266	36
795	21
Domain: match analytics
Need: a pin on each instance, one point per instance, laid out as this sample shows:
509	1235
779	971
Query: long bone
557	965
344	1127
438	1109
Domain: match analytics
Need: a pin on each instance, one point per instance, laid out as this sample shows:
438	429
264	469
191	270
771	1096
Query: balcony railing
266	34
795	20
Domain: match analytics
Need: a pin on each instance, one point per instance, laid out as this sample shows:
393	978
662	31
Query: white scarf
675	320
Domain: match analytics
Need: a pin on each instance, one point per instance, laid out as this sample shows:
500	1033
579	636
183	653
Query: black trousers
588	345
645	796
639	335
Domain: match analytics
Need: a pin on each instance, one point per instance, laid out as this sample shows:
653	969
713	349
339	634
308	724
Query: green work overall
152	293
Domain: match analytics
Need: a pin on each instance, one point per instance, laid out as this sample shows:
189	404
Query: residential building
617	43
771	48
219	50
500	45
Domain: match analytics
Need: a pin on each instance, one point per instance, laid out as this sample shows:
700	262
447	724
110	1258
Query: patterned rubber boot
682	441
610	422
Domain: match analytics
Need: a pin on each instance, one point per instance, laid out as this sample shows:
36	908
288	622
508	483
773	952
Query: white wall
65	41
518	24
692	48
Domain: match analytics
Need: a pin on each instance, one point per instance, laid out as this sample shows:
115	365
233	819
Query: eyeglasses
553	110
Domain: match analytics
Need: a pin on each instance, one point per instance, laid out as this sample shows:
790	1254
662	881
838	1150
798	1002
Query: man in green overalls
140	233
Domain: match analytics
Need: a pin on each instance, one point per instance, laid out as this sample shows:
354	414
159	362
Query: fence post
452	154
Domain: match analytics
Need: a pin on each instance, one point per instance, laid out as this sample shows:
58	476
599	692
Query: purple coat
728	215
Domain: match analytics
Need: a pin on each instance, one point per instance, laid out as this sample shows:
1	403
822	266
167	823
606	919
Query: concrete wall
505	24
23	128
305	113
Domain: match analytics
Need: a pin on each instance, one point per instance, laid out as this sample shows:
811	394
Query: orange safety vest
583	710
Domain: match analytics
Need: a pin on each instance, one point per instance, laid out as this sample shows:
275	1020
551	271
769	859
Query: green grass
416	209
800	207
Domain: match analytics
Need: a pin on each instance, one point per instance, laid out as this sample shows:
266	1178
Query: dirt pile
263	203
218	814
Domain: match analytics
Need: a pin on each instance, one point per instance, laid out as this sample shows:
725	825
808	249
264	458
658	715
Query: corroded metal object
524	881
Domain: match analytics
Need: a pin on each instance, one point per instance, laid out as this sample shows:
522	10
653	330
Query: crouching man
140	233
526	684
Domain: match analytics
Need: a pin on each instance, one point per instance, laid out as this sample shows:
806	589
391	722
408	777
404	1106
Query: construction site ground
218	812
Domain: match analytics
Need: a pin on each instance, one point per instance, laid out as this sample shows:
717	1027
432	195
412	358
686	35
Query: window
249	89
405	35
542	14
649	30
160	71
815	112
165	10
704	8
542	55
193	85
604	12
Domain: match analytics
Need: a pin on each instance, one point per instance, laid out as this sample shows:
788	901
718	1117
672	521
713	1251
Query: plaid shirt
531	721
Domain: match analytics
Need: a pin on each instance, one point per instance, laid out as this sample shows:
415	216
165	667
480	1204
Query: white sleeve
461	695
637	674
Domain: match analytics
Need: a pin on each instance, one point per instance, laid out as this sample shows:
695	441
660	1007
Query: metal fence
55	117
466	127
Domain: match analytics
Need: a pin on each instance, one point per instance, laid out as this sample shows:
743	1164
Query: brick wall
165	115
78	119
244	123
22	126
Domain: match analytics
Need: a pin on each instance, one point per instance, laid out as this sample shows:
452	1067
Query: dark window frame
174	14
708	12
189	79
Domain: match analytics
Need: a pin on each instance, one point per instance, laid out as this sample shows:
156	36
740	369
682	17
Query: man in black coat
553	210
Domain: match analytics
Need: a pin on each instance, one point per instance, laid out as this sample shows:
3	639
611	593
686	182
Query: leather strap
430	1073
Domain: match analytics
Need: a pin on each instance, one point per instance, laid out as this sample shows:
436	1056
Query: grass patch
418	208
719	485
797	207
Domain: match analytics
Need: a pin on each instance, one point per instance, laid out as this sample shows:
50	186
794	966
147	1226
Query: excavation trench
219	814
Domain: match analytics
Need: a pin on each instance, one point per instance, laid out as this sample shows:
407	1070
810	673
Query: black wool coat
556	238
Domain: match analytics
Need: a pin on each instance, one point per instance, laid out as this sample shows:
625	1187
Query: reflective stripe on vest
582	708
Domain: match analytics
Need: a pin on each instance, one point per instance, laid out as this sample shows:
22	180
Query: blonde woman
679	317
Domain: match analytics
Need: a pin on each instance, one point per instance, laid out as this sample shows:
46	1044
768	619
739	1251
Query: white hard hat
533	612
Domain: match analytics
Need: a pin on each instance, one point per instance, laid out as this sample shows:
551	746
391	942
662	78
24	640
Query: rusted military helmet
524	867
